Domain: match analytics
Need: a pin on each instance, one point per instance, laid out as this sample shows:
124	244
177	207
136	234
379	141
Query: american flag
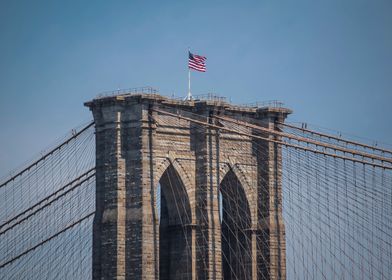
197	62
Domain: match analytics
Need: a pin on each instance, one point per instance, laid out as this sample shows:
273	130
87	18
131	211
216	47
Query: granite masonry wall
138	148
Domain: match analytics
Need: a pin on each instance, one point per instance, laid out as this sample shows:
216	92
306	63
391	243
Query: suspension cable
329	136
58	147
275	141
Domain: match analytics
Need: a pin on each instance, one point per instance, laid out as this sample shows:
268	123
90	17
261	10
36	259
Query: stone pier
181	200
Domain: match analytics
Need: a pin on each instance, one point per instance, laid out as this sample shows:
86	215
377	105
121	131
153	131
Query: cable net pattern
337	213
46	213
337	218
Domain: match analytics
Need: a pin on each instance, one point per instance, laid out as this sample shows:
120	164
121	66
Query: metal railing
129	91
264	104
199	97
210	97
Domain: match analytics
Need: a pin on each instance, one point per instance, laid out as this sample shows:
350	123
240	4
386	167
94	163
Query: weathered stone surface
138	148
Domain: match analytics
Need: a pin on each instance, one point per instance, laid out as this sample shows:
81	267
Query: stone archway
235	227
175	252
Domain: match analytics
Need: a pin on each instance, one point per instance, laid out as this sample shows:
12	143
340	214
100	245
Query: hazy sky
330	61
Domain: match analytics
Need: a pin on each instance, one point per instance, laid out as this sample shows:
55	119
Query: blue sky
329	61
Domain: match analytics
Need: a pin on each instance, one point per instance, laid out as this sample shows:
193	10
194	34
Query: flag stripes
197	62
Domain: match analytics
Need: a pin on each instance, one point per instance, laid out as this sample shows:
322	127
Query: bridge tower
180	199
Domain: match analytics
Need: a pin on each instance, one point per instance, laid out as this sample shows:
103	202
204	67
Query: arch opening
235	227
175	235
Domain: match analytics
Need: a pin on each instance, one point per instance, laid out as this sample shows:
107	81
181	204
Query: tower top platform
151	96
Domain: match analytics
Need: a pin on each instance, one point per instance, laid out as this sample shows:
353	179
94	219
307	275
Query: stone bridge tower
177	199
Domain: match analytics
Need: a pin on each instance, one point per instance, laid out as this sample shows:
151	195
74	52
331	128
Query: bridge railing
129	91
264	104
210	96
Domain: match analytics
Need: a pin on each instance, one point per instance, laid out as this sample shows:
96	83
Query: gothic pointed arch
163	164
175	217
248	187
236	229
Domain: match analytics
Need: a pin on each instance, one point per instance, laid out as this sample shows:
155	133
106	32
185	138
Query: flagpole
189	78
189	84
198	63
